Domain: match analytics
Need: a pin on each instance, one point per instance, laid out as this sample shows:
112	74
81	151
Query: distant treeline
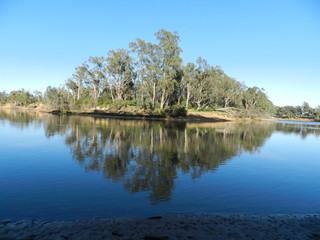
303	111
149	76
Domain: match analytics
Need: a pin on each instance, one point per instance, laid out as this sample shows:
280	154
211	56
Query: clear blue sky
274	44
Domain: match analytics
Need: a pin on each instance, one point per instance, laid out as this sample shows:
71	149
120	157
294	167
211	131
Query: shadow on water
145	155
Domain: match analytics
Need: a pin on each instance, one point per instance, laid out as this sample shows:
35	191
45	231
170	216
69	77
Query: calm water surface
68	167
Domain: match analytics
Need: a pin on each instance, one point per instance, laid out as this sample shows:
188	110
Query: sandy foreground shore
196	226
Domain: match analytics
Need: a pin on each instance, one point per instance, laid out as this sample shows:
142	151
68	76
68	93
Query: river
69	167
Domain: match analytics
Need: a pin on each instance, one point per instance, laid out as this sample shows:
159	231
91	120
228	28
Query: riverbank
297	119
127	113
169	227
222	115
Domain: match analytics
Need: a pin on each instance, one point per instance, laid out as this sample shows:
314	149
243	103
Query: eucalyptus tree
71	84
156	76
4	96
75	83
37	95
21	97
149	71
121	73
202	85
95	76
171	73
57	97
188	78
317	112
256	102
288	112
159	67
252	96
307	111
229	90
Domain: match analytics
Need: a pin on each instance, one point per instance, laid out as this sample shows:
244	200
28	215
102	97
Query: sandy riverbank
124	113
134	114
199	226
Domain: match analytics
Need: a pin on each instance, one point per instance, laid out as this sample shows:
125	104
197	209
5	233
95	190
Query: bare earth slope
127	113
209	116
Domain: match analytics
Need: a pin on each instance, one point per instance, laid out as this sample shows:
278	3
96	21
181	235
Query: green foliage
21	97
317	113
57	98
148	71
303	111
104	102
256	103
125	103
170	68
4	97
151	76
38	96
175	111
229	90
202	85
121	74
288	112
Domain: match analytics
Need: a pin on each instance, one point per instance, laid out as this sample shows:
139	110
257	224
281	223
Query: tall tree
57	98
229	90
256	101
75	83
189	76
121	73
307	111
149	69
252	96
169	54
38	96
21	97
4	96
202	86
95	72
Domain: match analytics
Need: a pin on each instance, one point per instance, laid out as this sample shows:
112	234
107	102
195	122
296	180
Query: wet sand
173	227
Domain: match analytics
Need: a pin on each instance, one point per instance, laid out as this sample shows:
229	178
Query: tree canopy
151	75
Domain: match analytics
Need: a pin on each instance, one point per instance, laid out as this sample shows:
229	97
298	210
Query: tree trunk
226	102
119	88
79	88
198	105
188	96
78	93
154	95
95	95
163	99
112	97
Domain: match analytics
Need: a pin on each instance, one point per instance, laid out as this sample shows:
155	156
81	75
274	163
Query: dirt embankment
40	107
297	119
213	116
127	113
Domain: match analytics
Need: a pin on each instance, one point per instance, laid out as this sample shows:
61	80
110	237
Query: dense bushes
303	111
176	111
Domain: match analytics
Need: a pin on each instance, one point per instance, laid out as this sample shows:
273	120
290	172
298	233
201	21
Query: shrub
176	111
124	103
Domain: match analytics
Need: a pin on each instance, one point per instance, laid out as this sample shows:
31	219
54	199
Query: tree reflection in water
145	155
